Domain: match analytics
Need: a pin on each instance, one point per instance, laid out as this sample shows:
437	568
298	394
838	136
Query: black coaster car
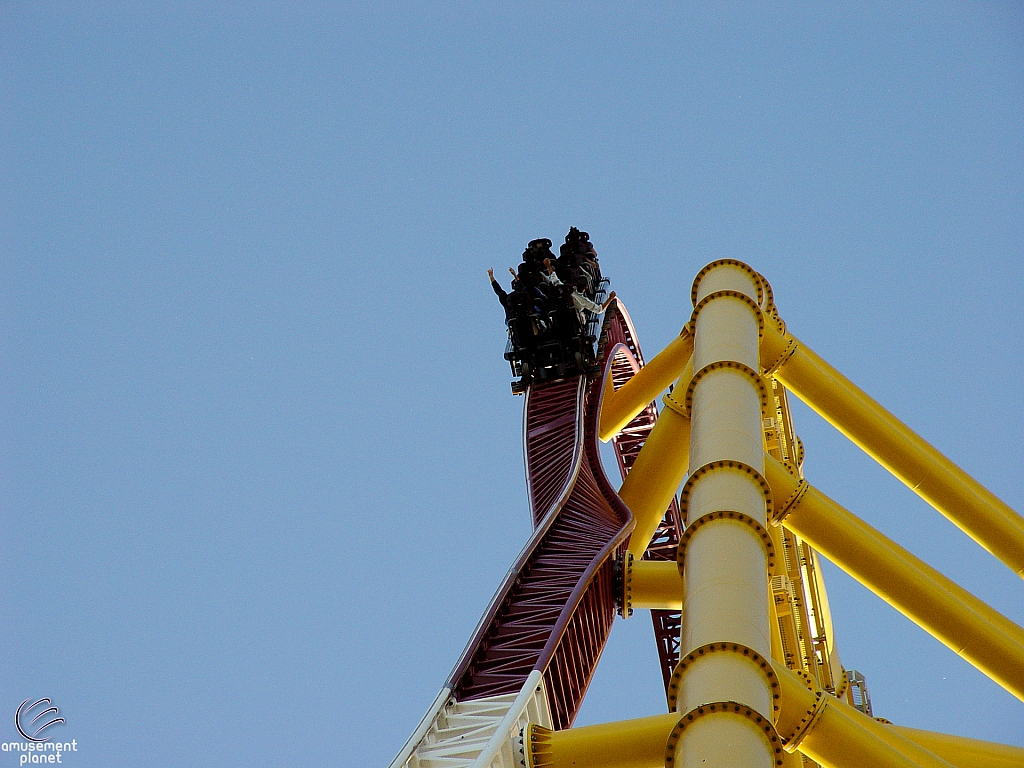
549	339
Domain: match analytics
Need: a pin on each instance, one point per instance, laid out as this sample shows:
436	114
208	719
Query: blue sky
259	463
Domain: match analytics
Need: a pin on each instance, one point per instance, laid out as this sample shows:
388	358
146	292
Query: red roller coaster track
555	609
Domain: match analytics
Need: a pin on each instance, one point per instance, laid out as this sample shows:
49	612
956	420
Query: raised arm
498	290
551	277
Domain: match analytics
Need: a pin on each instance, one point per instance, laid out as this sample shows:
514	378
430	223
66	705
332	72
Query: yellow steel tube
919	753
625	744
837	735
840	737
849	739
621	406
815	502
963	752
951	614
936	479
656	585
656	475
725	561
836	741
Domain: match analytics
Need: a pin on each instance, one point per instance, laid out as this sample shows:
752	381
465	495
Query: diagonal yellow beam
963	752
936	479
657	473
835	735
636	743
951	614
619	407
846	737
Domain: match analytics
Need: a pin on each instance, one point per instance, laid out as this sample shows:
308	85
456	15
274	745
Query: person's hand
611	295
490	273
513	273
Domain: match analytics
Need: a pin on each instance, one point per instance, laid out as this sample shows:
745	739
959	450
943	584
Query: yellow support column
812	722
723	691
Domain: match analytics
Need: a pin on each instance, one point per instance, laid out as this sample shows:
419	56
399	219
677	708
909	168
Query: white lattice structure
482	733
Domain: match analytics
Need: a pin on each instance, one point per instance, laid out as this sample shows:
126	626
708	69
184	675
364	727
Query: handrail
421	730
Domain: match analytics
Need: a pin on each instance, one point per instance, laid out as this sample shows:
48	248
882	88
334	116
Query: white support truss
475	734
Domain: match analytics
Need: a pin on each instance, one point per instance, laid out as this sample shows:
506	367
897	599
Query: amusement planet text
45	752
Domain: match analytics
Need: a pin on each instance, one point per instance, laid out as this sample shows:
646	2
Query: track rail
552	614
556	610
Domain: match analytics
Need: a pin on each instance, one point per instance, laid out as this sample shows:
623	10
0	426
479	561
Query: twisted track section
556	613
538	643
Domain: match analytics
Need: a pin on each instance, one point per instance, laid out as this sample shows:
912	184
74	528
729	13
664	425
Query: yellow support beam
936	479
655	585
621	406
726	551
951	614
624	744
963	752
814	723
657	473
836	735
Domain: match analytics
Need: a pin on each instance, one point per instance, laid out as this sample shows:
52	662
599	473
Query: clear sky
260	469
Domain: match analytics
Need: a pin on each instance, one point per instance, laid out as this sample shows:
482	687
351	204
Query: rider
502	294
579	299
578	257
530	296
